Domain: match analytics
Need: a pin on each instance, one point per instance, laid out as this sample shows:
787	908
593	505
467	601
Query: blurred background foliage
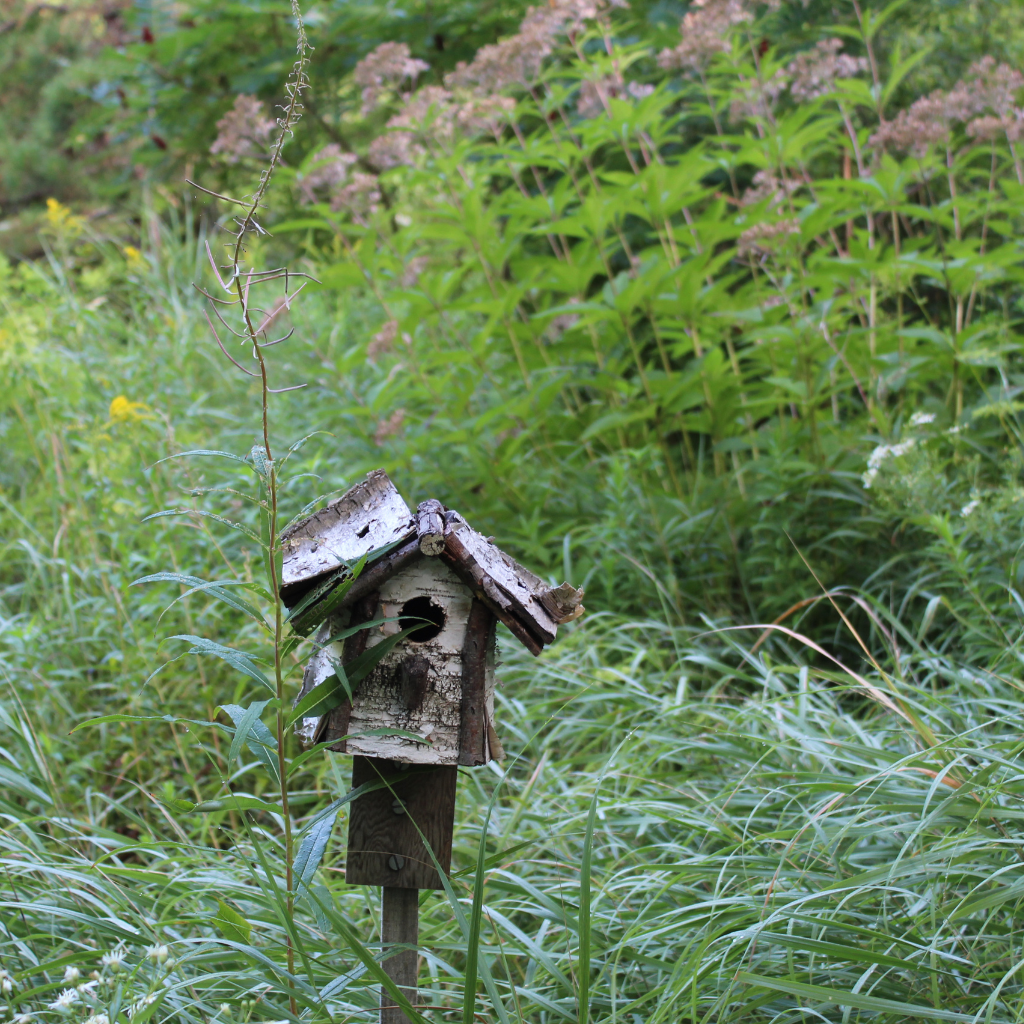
691	306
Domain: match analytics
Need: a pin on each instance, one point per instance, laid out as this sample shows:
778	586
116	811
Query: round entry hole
421	612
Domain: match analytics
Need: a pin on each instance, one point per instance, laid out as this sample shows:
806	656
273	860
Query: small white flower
969	508
114	959
6	982
880	454
922	419
65	1000
954	430
158	954
71	975
141	1004
98	1018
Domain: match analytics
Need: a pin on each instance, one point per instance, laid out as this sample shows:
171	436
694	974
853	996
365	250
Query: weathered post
399	926
422	704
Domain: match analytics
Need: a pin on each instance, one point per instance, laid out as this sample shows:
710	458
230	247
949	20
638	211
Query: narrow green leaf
311	850
237	803
586	867
231	923
322	698
475	921
243	727
241	527
216	588
240	660
203	451
260	741
834	997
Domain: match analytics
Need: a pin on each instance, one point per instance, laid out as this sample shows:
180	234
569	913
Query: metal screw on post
400	926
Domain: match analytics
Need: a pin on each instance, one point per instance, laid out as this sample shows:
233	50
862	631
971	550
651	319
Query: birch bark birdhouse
404	606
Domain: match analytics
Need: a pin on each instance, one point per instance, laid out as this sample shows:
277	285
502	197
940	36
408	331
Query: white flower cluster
882	453
141	1004
81	999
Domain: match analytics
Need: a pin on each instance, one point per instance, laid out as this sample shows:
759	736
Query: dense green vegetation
718	320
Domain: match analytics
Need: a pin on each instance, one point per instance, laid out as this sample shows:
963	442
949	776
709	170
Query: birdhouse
428	591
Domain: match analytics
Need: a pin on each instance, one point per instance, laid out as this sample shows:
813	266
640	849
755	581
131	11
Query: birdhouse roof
372	520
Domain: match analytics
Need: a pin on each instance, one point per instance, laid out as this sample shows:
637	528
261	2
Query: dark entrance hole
414	612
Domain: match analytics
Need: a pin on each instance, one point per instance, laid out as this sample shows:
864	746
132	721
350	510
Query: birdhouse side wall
322	665
416	687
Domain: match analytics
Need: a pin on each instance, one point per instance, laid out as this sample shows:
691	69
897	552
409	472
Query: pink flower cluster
329	178
758	99
706	30
389	65
329	168
438	114
595	94
765	238
985	102
470	102
517	60
767	186
244	131
815	72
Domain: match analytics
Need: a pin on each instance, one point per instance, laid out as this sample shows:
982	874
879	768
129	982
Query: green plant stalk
292	113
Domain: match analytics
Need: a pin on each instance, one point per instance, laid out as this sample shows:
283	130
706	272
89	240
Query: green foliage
712	400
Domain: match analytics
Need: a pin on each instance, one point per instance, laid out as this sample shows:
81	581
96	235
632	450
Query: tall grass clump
727	335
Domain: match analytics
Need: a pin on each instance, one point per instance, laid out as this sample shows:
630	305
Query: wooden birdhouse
433	590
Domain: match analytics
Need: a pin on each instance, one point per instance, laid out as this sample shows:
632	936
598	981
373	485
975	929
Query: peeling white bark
378	699
366	517
321	666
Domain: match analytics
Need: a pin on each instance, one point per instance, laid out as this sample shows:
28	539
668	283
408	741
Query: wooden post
399	925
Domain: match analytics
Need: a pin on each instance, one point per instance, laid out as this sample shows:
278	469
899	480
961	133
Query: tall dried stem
239	283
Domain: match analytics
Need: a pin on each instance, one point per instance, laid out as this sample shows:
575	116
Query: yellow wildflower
124	411
61	218
133	256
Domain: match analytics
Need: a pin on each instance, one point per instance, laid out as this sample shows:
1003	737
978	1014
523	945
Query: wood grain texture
473	735
430	526
384	845
563	603
414	678
399	926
